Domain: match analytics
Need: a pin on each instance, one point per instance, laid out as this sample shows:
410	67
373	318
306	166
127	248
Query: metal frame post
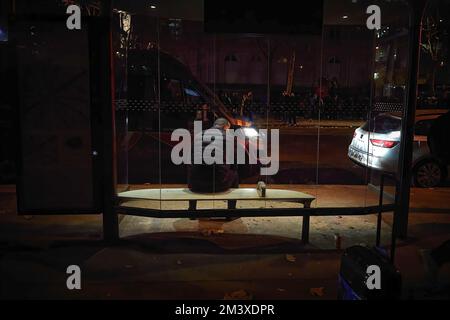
380	212
402	196
306	224
102	91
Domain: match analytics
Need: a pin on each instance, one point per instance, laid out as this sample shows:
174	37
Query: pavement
274	123
254	258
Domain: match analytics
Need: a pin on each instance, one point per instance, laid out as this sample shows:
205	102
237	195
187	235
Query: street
317	156
305	158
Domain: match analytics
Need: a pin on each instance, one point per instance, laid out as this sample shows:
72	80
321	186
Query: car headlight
250	132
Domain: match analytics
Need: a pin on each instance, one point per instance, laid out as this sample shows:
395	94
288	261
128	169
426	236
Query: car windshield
383	124
197	89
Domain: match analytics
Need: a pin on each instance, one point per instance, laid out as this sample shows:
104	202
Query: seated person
204	178
438	138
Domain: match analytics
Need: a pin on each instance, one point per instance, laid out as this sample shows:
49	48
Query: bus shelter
106	106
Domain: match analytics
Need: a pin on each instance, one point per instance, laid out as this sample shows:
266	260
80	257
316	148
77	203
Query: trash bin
356	280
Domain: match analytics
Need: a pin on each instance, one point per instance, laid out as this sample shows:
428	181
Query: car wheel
428	174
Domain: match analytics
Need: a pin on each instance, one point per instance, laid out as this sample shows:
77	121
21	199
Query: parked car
376	145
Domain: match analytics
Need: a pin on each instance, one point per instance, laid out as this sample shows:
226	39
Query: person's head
222	123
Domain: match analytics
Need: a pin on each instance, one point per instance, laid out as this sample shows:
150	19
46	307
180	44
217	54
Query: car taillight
383	143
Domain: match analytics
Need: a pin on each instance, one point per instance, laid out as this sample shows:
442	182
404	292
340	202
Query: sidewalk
155	263
308	123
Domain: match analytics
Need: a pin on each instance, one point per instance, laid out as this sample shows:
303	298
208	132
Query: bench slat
232	194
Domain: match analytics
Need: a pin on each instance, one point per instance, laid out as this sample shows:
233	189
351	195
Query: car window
141	87
423	127
141	82
383	124
171	90
192	95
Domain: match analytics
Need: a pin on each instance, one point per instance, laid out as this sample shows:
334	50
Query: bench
249	194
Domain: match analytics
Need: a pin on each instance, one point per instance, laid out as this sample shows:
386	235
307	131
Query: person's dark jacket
213	178
439	137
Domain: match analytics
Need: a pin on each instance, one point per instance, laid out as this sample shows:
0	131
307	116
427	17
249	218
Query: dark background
282	17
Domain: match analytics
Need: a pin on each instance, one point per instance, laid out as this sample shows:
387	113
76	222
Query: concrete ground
352	230
258	258
274	123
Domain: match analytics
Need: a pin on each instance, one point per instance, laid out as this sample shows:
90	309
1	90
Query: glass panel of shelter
389	90
343	105
241	87
137	97
176	74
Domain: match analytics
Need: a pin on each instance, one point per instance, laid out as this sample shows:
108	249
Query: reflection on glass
332	98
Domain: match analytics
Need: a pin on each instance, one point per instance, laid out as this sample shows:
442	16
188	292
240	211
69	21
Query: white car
376	145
